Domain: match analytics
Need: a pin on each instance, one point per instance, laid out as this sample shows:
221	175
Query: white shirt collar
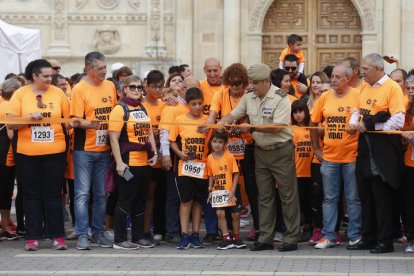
381	81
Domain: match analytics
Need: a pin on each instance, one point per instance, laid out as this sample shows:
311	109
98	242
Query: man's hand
203	129
351	129
170	100
407	136
360	126
153	160
183	156
302	88
319	154
166	162
94	125
36	116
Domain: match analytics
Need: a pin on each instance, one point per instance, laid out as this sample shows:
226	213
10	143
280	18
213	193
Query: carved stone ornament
107	40
135	3
59	21
79	4
107	4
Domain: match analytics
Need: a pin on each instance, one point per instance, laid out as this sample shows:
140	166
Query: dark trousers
408	189
305	192
248	170
71	188
172	206
7	175
317	195
376	200
19	206
158	218
132	197
41	178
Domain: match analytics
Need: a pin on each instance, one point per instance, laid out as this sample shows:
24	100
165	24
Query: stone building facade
139	32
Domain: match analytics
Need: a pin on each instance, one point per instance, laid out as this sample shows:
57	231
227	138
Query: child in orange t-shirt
223	176
191	181
294	42
303	157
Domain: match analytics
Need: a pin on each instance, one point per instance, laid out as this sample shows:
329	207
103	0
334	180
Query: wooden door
331	31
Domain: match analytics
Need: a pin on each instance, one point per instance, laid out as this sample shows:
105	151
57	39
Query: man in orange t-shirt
379	163
298	80
92	99
339	155
212	84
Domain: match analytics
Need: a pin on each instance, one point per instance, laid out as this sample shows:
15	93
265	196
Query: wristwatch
252	129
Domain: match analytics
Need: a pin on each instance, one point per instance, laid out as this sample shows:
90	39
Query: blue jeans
90	168
332	176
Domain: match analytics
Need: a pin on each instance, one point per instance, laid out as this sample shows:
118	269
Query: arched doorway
331	31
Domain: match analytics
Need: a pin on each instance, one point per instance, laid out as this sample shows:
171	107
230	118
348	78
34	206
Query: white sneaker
324	243
278	237
244	223
354	242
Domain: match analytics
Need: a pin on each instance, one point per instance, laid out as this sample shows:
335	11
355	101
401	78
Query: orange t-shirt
286	51
361	86
170	113
154	112
93	103
292	98
137	131
339	146
196	144
295	83
40	139
6	153
222	170
303	151
223	104
388	97
208	93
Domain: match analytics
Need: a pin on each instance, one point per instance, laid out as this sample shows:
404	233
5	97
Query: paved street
166	260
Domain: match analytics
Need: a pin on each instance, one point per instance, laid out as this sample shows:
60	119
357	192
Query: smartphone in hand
128	175
388	59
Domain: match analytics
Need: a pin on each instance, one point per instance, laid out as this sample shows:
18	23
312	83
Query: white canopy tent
18	46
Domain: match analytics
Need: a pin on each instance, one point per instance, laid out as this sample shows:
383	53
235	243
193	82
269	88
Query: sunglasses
56	68
236	83
134	87
40	104
290	68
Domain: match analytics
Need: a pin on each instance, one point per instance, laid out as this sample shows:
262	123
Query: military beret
258	72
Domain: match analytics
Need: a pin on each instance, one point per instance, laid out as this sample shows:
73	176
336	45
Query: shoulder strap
126	110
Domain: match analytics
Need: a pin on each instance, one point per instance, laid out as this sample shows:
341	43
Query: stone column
184	32
231	32
155	46
59	45
392	30
407	41
254	47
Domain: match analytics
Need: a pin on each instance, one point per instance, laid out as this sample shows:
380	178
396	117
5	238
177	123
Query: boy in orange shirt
223	179
294	47
192	174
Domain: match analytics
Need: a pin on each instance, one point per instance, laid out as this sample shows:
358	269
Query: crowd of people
311	155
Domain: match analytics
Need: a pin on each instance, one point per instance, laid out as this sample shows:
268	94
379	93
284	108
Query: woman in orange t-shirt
7	167
134	150
41	153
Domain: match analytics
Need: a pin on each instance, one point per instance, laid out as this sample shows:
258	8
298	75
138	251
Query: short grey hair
376	60
347	69
410	79
8	88
92	57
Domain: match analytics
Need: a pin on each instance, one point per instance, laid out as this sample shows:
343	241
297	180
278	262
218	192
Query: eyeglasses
56	68
236	83
159	88
290	68
40	104
134	87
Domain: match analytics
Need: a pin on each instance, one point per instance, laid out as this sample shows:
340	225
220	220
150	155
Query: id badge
101	138
193	169
43	134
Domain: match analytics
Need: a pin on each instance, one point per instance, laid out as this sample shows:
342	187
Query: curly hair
235	72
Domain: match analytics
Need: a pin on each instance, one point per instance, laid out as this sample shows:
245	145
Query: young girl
223	178
303	156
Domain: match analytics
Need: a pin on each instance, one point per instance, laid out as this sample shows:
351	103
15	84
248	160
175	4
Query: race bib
220	198
139	116
193	169
101	138
412	152
43	134
236	147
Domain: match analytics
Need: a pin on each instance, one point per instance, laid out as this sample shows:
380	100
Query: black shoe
382	247
361	245
285	247
209	239
259	246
